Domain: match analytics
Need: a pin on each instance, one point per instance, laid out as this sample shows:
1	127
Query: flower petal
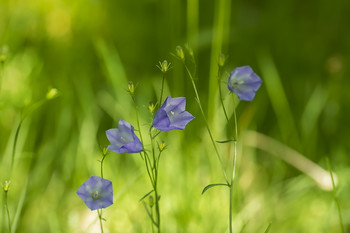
100	185
244	83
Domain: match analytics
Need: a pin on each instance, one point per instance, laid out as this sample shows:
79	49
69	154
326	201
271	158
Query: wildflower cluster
97	192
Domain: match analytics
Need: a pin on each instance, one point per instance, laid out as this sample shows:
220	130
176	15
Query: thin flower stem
137	118
220	92
99	212
7	211
336	197
206	122
235	147
147	162
233	165
161	92
103	158
155	181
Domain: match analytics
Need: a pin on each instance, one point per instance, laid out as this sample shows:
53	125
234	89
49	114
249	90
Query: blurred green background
90	49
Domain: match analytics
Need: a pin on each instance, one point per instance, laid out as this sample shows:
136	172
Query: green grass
89	50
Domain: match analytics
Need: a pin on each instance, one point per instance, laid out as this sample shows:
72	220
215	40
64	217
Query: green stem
155	181
8	212
233	165
103	158
161	92
137	118
206	122
99	212
336	197
220	92
15	145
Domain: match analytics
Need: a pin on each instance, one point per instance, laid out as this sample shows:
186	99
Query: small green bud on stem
180	53
131	88
222	60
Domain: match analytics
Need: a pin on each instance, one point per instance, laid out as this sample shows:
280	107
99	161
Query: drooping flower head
124	139
244	83
96	192
172	115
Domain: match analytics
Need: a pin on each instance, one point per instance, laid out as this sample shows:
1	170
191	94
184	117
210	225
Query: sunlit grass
89	50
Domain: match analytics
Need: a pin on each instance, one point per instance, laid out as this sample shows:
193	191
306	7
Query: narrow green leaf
268	228
150	215
146	195
213	185
226	141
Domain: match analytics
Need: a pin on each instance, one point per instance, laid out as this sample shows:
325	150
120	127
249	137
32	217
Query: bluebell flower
244	83
96	192
124	139
172	115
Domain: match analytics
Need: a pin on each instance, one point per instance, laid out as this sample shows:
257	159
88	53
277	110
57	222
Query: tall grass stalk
192	21
335	196
220	31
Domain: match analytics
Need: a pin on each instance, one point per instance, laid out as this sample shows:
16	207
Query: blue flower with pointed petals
172	115
96	192
244	83
124	139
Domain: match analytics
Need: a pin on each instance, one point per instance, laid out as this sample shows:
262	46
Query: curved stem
103	158
206	122
15	145
220	92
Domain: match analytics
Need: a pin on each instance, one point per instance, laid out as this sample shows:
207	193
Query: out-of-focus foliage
90	49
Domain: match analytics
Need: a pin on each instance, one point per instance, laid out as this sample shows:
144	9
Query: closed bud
151	201
164	66
222	60
105	150
3	53
131	88
190	50
52	93
180	53
6	185
151	107
161	146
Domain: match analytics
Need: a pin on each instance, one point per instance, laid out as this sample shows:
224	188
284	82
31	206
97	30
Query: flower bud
151	107
161	146
164	66
222	60
6	185
131	87
180	52
52	93
151	201
105	150
3	53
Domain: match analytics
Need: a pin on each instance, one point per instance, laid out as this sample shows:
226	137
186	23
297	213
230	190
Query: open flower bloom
172	115
96	192
244	83
124	139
